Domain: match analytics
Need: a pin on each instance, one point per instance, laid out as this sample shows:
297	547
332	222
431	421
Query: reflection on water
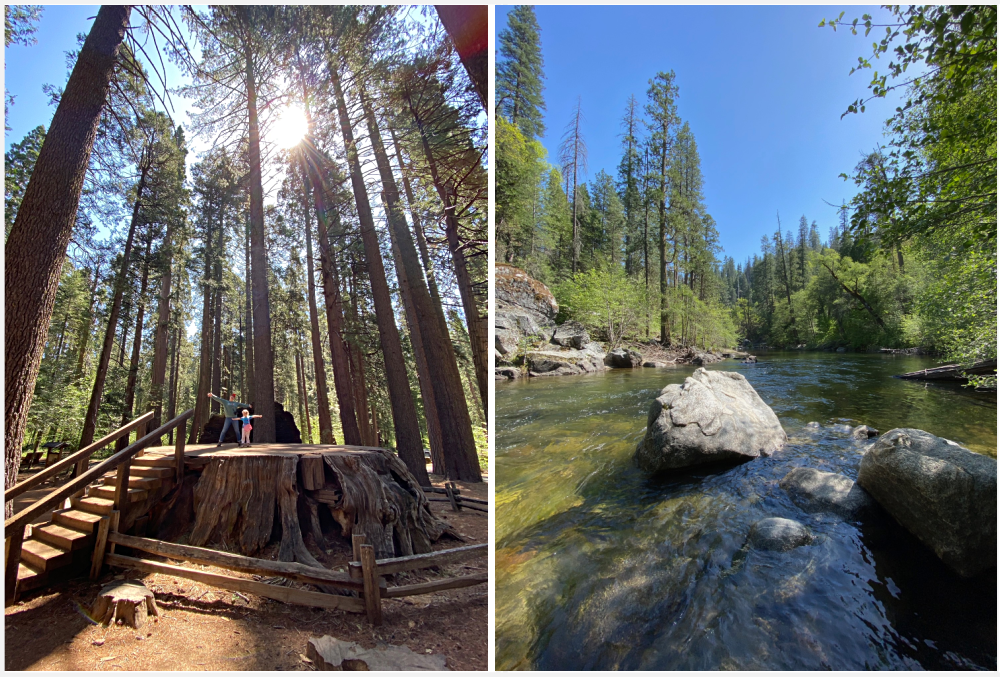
600	567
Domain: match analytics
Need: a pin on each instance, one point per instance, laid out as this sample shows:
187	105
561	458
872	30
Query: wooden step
93	505
28	577
147	483
153	471
154	462
134	495
62	537
77	519
44	557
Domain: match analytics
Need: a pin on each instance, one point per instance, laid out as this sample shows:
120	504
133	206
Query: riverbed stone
863	432
714	416
779	534
571	335
817	491
622	358
940	492
655	364
506	373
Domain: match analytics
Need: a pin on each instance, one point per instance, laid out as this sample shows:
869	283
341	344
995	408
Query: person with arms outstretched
247	427
230	409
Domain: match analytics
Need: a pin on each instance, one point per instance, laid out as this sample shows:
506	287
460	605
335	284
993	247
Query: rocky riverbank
529	342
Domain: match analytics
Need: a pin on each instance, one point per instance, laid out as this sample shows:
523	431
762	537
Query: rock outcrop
524	308
941	492
714	416
571	335
620	358
565	362
817	491
699	357
778	533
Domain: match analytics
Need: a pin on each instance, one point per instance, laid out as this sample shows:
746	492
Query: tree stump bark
240	497
125	602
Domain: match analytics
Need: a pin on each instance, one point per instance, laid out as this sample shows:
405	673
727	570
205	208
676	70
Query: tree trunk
468	27
159	373
174	368
87	325
357	358
263	356
304	393
36	246
478	330
201	408
410	277
249	391
217	313
404	413
90	419
322	399
133	369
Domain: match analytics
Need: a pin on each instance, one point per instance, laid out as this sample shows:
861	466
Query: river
600	567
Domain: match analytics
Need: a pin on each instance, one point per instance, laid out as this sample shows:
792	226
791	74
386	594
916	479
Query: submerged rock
778	533
863	432
571	335
655	364
940	492
814	490
621	358
714	416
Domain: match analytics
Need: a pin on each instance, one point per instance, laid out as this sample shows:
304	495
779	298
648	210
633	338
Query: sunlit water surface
600	567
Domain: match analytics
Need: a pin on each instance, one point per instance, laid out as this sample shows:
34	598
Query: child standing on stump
246	418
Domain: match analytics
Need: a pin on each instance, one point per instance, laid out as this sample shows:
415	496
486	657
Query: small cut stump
125	602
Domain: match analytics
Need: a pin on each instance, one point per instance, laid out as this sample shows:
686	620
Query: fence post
121	485
12	558
97	561
180	434
373	597
112	527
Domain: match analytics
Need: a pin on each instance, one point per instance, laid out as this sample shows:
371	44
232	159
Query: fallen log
952	372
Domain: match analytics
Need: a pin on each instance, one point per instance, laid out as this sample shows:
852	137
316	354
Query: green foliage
604	300
18	164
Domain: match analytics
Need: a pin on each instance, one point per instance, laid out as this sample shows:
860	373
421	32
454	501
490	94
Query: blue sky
763	89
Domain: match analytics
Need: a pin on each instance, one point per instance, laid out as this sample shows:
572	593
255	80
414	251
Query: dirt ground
206	628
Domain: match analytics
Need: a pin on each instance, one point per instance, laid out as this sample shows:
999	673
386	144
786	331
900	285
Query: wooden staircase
63	546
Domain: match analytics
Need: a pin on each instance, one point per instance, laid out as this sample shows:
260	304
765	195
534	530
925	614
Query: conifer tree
519	72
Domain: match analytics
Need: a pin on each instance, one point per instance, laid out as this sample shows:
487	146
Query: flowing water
601	567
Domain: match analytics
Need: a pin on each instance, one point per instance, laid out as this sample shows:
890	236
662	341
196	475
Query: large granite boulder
778	533
942	493
817	491
565	362
714	416
699	357
620	358
571	335
524	308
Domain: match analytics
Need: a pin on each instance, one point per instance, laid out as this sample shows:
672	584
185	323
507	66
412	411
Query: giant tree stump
245	497
126	602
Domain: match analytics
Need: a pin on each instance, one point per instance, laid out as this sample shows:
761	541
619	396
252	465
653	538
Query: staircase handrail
23	518
81	455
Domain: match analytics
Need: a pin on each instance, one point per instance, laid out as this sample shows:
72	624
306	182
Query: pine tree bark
201	408
133	369
217	315
404	413
159	372
459	445
322	399
357	361
303	395
263	357
174	369
476	323
248	388
36	246
97	393
468	27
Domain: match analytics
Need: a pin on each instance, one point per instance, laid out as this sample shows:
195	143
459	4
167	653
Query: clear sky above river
763	89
